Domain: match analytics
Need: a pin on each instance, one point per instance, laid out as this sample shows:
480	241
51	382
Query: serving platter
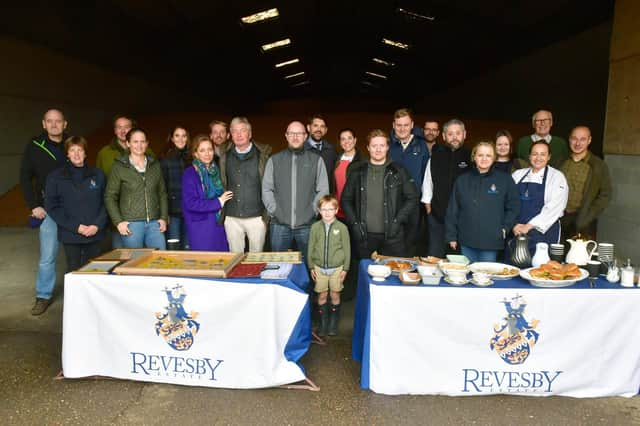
495	270
546	283
413	264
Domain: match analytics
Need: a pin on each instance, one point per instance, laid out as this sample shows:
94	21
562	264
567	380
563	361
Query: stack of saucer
556	252
605	252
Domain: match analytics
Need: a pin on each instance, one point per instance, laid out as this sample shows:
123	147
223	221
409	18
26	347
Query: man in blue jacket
42	155
409	149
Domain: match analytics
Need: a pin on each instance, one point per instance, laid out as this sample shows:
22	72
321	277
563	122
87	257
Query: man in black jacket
377	200
42	155
317	130
444	166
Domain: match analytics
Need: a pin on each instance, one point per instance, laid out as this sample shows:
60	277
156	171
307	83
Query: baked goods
553	270
398	265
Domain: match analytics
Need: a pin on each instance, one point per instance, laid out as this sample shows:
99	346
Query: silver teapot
520	254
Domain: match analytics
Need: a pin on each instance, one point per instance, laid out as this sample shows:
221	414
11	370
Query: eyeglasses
296	134
327	210
542	121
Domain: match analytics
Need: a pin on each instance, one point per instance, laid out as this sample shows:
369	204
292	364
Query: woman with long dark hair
175	159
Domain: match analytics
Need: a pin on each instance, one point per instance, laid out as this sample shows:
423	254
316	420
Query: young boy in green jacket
328	258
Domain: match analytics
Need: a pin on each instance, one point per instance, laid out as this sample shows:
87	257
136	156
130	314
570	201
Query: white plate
456	283
492	268
483	284
538	282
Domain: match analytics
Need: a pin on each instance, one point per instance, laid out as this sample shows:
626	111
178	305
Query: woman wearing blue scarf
203	198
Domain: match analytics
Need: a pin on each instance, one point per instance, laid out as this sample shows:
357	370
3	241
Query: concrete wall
33	79
568	77
620	223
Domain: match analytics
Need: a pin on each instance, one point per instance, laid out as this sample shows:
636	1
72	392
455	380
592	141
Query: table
231	333
510	338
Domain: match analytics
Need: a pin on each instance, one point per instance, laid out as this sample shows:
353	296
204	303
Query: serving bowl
379	272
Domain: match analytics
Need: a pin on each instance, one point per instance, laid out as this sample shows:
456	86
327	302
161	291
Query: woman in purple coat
203	198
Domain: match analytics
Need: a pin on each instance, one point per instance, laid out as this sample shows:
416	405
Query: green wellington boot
334	317
323	314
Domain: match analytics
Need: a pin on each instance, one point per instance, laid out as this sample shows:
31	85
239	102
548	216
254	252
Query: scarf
211	183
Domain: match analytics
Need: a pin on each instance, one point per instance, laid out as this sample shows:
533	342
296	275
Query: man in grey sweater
294	181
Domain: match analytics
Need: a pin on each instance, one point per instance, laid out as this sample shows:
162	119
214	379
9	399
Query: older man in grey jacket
294	180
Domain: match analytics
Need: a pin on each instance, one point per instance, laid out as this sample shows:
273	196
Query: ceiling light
395	44
285	63
414	15
302	83
261	16
383	62
298	74
384	77
279	43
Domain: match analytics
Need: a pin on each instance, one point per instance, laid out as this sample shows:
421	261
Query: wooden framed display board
273	257
124	253
97	267
181	263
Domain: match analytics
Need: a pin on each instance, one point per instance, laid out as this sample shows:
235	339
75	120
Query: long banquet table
510	338
232	333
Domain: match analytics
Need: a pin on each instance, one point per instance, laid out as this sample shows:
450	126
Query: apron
531	203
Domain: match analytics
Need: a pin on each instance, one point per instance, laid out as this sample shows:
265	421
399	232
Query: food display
499	271
273	257
553	270
399	265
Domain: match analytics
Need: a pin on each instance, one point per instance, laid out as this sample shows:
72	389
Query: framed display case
98	267
124	253
181	263
273	257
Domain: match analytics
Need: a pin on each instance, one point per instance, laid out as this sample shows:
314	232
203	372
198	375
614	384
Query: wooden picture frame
210	264
273	257
97	267
124	254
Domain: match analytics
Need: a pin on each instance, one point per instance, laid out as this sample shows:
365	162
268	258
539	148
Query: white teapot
579	253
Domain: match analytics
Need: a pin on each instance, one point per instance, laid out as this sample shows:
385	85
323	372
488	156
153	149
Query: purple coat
204	232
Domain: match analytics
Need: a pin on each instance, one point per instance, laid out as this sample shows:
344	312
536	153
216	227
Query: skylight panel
289	62
261	16
394	43
276	44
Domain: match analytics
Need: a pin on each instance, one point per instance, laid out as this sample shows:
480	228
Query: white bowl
457	275
428	270
379	272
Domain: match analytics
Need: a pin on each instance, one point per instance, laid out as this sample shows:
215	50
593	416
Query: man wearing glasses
542	122
294	181
431	133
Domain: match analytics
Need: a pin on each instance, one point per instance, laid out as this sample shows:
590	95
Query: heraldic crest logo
514	338
177	327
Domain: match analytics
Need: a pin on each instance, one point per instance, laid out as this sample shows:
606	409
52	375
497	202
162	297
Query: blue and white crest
515	337
177	327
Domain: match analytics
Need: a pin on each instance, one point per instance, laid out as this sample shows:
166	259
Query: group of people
218	191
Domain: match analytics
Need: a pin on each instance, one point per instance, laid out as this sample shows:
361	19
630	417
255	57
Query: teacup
481	277
458	276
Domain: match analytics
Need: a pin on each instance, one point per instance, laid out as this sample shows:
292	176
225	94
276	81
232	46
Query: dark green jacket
133	196
597	192
559	150
329	251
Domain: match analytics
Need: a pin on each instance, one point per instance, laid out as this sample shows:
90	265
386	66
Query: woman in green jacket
136	198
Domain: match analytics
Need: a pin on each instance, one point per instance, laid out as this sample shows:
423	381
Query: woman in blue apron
543	198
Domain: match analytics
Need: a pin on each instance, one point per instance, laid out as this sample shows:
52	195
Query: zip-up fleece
41	157
329	250
134	196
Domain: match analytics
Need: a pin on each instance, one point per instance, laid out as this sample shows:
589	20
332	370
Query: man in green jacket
589	186
542	122
118	145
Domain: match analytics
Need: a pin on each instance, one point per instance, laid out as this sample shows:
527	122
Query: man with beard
220	137
294	181
409	149
317	128
444	166
431	133
42	155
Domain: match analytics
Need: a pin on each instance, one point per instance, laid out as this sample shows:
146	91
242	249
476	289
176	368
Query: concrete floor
30	350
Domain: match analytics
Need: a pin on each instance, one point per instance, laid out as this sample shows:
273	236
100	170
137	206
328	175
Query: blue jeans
49	248
283	236
116	239
176	229
144	234
477	255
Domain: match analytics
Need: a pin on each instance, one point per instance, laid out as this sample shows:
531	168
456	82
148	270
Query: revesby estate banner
183	331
